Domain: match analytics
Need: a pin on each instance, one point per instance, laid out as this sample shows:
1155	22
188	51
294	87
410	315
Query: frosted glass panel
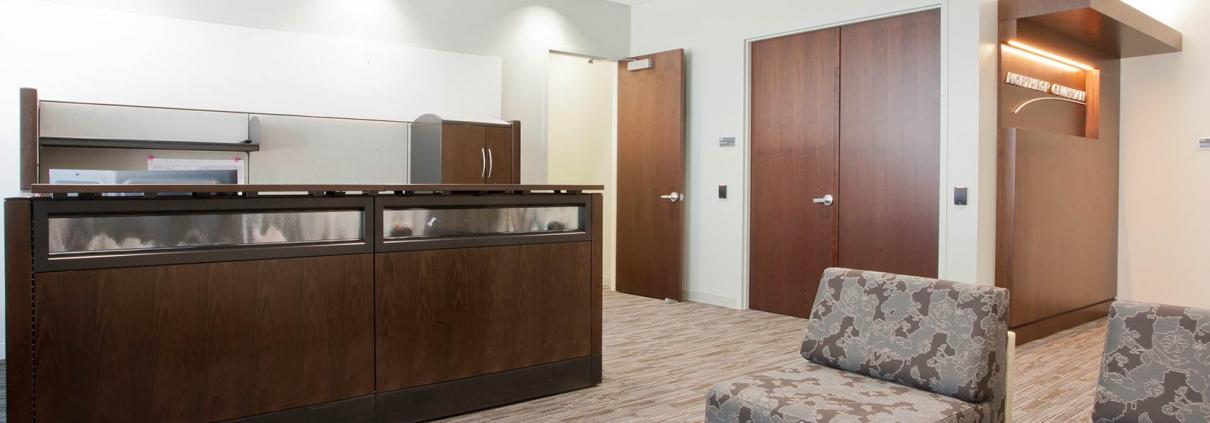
184	231
462	222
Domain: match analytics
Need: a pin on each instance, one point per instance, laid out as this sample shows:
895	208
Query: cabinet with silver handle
444	151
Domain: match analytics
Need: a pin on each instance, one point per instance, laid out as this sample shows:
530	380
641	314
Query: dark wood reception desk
368	303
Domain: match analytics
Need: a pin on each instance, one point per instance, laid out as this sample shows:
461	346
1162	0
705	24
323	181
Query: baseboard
450	398
444	399
704	298
1049	326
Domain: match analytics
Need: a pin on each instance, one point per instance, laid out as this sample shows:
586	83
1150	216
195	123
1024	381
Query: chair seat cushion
811	393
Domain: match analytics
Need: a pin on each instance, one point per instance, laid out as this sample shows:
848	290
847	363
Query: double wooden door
845	130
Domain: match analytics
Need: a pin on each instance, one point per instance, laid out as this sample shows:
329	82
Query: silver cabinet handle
674	197
483	156
491	163
826	200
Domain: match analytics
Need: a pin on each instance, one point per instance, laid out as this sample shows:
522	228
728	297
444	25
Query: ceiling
630	2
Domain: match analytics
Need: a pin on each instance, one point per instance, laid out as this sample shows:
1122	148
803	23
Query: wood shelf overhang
1110	26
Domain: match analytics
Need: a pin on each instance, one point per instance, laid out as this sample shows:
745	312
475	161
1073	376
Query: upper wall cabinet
465	152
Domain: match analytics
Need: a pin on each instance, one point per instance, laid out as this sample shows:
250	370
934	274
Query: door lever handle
674	197
826	200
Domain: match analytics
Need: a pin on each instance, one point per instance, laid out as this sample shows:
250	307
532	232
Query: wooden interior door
795	117
890	144
651	164
500	145
463	154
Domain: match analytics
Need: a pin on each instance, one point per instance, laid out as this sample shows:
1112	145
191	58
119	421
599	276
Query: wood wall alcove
1057	193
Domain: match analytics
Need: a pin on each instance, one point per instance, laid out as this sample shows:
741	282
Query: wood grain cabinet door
463	154
203	342
451	314
500	145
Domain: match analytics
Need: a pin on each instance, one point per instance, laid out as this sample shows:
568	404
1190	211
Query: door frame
943	198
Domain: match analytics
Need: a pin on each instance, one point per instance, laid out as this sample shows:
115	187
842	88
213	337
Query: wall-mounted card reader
722	191
960	196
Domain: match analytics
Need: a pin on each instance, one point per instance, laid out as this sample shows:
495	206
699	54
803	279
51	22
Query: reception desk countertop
51	189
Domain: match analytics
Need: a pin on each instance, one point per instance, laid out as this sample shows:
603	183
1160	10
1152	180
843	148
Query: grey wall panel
426	152
76	120
309	150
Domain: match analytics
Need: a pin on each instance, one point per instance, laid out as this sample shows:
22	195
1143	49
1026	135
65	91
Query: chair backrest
945	337
1156	366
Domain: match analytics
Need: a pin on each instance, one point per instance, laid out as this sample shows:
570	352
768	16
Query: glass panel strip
427	223
122	233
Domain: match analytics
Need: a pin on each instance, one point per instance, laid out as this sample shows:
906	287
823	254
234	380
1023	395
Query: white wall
519	32
1164	225
714	34
580	134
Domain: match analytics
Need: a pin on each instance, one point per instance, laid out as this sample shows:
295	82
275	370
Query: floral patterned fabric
884	348
812	393
1156	366
946	337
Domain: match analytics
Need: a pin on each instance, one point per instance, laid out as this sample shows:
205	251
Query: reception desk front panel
299	307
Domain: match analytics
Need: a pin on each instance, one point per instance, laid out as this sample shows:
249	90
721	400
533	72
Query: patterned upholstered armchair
881	347
1156	366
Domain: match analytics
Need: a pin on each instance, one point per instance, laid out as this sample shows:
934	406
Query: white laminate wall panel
72	120
305	150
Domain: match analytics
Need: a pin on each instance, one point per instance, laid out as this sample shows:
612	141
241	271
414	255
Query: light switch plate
726	141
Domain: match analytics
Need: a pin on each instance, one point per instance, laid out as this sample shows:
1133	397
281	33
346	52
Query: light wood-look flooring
659	360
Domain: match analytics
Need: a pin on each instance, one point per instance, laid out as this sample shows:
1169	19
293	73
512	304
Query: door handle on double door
826	200
674	197
483	157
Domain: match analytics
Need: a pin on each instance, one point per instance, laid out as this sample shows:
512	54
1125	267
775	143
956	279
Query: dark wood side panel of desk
203	341
450	314
19	301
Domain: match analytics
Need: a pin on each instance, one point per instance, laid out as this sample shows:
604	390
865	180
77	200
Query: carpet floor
659	360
